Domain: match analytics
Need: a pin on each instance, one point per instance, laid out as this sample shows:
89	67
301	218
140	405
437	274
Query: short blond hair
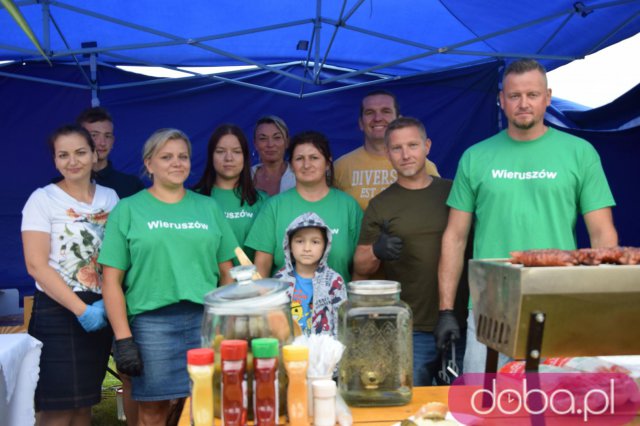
158	139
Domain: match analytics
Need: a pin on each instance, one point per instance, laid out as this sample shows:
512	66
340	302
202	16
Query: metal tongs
449	365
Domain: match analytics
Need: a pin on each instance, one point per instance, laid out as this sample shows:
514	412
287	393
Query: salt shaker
324	403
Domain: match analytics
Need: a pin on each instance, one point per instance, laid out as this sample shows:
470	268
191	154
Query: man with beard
366	171
522	189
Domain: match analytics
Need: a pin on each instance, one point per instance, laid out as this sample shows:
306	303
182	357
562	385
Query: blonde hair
276	121
158	139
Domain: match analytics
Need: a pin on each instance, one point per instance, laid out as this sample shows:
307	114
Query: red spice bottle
233	388
265	382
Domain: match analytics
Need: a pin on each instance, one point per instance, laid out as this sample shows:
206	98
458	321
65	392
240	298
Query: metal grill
590	310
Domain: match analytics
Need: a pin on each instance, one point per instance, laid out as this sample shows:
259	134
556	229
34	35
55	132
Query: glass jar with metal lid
247	309
376	327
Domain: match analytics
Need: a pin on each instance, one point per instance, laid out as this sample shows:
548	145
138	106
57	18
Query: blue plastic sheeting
614	130
619	115
393	39
458	107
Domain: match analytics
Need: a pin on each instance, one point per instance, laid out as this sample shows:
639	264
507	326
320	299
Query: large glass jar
247	309
376	327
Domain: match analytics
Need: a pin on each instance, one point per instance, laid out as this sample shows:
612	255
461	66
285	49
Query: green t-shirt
170	251
527	195
239	217
340	212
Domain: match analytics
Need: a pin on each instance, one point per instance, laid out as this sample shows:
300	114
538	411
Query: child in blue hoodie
315	289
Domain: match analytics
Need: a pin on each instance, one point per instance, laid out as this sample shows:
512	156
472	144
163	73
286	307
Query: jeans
427	360
163	337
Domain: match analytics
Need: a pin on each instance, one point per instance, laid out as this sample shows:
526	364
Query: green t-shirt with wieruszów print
170	251
239	217
527	194
338	210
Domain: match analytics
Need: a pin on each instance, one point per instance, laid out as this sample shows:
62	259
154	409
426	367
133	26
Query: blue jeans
425	358
163	337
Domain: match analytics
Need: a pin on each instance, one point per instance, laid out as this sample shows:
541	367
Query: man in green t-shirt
523	189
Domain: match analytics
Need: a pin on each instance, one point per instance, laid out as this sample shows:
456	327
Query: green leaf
75	249
87	238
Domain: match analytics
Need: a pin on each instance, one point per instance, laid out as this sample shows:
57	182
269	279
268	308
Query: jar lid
233	350
373	287
247	296
324	388
295	353
264	347
200	356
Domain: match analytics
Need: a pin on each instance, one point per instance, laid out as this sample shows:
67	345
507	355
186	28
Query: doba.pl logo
560	398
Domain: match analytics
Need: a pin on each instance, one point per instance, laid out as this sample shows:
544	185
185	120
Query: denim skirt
163	337
73	362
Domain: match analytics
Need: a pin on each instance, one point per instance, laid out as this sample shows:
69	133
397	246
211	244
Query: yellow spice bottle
296	360
200	368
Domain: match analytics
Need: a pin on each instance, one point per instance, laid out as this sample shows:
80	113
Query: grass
105	413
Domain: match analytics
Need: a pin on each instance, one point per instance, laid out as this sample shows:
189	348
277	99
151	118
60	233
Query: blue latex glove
94	317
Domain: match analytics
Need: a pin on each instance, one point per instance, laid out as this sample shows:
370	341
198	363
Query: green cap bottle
264	347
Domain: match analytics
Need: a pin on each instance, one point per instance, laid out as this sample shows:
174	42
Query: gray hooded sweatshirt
329	290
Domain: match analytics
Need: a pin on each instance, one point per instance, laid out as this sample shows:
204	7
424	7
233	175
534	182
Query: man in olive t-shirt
402	230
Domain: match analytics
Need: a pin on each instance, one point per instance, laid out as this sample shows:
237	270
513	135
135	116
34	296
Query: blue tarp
458	107
389	38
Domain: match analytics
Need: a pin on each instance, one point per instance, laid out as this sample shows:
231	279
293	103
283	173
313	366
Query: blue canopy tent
313	61
385	39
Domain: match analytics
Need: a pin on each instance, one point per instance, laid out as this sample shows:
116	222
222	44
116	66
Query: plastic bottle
265	382
233	388
324	403
200	368
296	360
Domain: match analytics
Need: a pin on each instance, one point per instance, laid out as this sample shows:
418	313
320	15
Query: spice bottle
200	368
324	403
296	360
265	381
233	388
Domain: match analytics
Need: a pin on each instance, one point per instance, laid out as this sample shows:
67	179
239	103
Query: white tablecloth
20	368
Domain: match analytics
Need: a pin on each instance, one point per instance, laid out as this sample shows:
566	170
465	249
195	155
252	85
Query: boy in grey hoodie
315	289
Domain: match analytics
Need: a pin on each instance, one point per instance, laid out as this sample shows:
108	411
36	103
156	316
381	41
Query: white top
287	181
76	230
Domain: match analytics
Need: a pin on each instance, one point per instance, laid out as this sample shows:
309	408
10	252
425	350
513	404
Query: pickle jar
245	310
377	329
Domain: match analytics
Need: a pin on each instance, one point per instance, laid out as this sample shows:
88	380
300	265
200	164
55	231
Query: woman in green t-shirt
311	161
227	178
164	249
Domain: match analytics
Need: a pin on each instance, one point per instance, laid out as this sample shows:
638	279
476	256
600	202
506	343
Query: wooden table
373	416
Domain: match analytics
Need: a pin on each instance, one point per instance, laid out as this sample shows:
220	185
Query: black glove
127	357
447	329
387	246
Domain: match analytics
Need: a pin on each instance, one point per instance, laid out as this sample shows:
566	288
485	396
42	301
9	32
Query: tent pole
95	101
46	41
318	26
